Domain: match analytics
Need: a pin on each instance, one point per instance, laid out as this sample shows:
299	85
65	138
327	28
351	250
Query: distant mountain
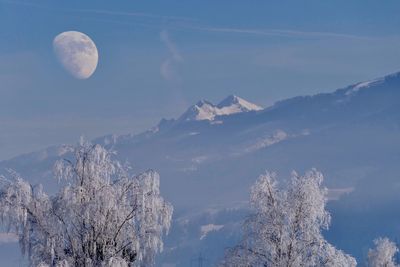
205	110
209	156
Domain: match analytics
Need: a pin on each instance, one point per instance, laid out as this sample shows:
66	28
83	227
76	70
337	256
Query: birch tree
102	216
383	253
285	229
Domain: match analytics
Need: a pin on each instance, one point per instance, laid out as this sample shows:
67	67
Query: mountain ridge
205	110
345	92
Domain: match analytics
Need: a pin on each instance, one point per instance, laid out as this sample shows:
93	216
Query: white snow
363	85
206	229
267	141
205	110
384	253
64	149
234	104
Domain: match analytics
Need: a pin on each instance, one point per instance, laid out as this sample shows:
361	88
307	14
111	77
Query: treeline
104	216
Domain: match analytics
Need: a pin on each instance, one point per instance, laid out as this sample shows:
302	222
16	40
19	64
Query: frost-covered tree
285	229
102	216
383	253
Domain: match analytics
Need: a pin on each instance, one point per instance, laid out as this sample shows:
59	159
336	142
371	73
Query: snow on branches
383	254
285	229
101	217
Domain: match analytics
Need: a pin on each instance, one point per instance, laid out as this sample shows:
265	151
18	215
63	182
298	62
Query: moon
77	53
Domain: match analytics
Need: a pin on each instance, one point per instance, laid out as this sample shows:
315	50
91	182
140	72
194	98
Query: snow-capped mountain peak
205	110
234	104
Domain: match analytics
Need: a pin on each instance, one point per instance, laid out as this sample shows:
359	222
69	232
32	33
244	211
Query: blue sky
158	57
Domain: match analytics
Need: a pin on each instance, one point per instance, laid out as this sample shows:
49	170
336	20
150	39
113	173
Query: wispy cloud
126	14
169	70
168	67
274	32
186	23
132	14
8	238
